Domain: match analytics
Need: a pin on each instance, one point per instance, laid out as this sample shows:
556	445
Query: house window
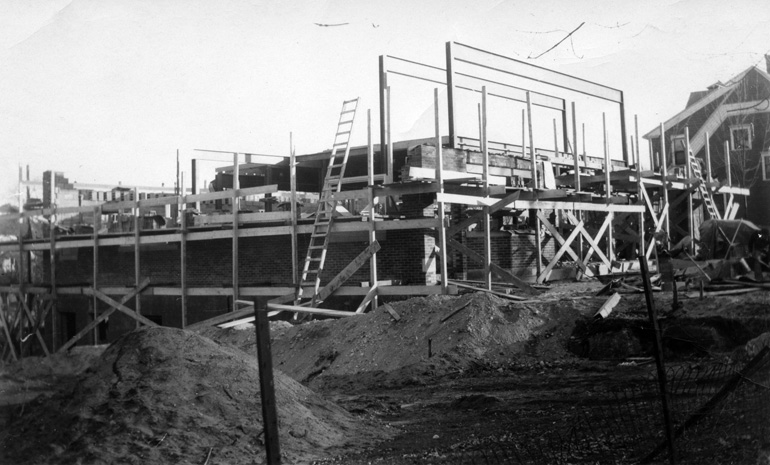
678	150
740	136
766	166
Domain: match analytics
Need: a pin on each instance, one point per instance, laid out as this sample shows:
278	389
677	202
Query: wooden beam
310	310
488	291
606	308
457	307
392	312
348	271
219	319
367	298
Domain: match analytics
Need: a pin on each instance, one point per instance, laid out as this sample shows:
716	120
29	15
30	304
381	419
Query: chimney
767	63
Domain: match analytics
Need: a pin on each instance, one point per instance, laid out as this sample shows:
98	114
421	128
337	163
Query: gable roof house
734	117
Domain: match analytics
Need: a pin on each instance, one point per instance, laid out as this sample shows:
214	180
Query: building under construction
524	175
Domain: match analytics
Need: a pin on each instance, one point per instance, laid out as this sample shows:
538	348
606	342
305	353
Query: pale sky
107	91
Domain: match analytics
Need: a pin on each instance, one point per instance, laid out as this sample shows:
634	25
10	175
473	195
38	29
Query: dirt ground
498	381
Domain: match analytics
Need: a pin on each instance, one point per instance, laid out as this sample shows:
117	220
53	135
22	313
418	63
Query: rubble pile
162	395
487	331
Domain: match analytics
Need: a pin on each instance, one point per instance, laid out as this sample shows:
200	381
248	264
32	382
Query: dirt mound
374	347
162	395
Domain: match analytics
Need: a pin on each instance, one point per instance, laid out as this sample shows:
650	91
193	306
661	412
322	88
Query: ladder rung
342	133
339	165
349	101
315	247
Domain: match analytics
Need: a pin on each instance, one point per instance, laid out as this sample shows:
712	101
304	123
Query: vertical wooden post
52	257
137	240
575	157
372	200
728	170
94	300
267	386
575	161
383	85
555	139
21	266
235	208
608	187
728	175
450	89
664	170
183	251
533	159
294	246
389	135
688	171
661	369
639	187
485	179
523	132
708	159
440	204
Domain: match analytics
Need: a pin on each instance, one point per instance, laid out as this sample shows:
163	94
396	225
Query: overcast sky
107	91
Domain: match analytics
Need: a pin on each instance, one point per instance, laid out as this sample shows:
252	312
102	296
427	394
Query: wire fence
721	415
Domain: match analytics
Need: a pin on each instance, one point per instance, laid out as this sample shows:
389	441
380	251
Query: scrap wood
746	290
392	311
457	307
608	287
637	290
749	283
312	310
606	308
480	289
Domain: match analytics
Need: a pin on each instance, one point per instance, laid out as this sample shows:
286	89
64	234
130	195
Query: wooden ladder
705	192
324	217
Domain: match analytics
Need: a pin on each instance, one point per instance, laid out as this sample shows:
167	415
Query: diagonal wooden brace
565	246
6	330
120	307
347	272
74	339
495	268
592	241
36	331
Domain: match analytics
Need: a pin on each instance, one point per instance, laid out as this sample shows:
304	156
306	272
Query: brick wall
262	261
511	251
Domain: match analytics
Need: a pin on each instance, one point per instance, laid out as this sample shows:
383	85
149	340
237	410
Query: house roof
706	107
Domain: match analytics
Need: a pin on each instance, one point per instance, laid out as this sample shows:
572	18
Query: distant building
736	112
